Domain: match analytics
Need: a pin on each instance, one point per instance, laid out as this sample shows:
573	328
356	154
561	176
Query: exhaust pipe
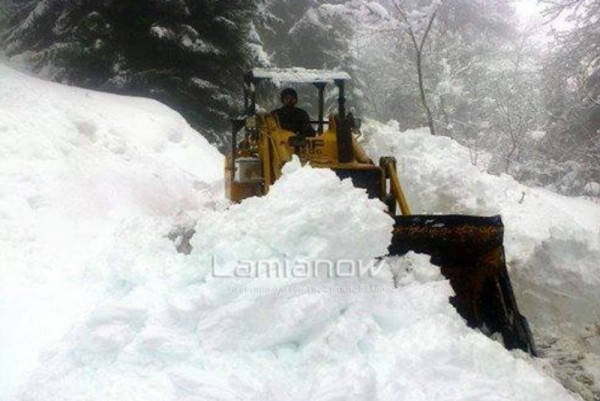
344	133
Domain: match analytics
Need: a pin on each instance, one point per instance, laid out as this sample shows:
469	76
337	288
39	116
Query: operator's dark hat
289	91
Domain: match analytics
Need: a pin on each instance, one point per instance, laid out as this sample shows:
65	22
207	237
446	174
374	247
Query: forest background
522	93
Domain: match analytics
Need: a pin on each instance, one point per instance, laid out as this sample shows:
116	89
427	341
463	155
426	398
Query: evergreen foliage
188	54
5	11
320	35
310	34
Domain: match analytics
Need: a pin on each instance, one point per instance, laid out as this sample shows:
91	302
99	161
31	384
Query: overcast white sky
528	8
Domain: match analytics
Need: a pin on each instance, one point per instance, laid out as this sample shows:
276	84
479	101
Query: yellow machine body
270	147
469	249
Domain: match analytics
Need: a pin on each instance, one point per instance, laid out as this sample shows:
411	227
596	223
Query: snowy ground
97	304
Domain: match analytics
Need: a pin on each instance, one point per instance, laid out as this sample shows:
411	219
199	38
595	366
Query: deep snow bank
82	172
552	242
72	162
204	331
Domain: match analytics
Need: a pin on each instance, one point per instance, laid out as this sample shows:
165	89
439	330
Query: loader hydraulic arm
389	166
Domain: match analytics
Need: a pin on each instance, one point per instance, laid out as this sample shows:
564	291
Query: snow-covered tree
581	41
310	33
391	43
319	34
572	96
188	54
461	67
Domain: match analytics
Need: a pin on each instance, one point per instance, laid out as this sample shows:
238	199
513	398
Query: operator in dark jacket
293	118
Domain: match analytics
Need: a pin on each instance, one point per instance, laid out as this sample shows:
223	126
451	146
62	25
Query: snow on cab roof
298	74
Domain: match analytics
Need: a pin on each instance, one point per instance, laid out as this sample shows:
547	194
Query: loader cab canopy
296	75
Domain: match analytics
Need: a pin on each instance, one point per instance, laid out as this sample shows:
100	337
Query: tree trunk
422	93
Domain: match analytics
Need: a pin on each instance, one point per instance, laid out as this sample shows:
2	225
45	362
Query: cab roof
297	75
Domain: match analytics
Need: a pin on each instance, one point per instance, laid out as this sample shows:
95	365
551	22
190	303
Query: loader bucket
470	253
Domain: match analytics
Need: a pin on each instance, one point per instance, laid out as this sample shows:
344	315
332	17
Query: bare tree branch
418	46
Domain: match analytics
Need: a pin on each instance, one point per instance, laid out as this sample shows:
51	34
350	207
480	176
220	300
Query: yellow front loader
468	249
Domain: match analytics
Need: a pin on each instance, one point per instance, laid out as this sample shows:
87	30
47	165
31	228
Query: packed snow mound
214	325
82	172
316	215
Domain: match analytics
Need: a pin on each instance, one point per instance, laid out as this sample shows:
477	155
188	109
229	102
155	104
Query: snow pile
73	162
80	173
552	242
201	331
307	220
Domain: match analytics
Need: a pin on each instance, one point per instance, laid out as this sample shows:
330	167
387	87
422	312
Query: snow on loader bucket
468	249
